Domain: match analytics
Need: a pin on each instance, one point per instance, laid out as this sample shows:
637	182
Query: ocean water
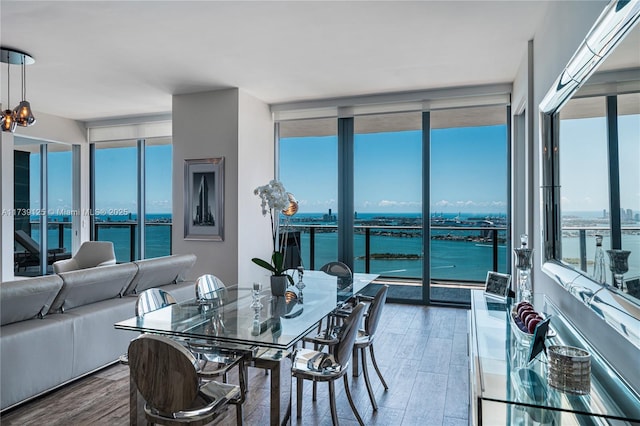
450	259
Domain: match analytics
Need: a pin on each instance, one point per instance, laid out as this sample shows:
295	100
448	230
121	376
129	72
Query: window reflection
584	181
629	151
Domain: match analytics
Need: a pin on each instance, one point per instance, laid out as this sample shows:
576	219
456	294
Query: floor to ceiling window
308	156
468	187
388	196
158	200
35	209
117	191
395	169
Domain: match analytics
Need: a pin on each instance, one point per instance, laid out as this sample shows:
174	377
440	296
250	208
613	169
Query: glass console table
507	389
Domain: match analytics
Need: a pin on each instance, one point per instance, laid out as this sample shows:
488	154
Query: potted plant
275	199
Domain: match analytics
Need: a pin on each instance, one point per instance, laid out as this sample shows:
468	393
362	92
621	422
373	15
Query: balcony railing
122	234
580	254
462	253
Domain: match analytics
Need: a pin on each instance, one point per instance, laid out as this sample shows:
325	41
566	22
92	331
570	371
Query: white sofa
58	328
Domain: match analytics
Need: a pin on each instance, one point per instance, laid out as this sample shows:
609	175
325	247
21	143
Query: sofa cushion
160	271
92	285
26	299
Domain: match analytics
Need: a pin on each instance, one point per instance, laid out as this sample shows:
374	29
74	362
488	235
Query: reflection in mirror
591	176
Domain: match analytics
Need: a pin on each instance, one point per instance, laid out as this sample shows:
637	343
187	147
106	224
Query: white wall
208	125
6	199
563	29
256	168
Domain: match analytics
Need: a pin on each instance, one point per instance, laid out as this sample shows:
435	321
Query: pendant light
8	120
23	114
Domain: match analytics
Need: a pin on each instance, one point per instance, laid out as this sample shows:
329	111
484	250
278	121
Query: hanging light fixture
22	114
8	120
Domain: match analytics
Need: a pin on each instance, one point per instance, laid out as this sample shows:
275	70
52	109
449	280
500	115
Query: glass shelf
507	389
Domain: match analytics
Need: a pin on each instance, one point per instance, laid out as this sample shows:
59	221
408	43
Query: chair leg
365	372
315	392
353	406
332	403
375	365
299	386
239	414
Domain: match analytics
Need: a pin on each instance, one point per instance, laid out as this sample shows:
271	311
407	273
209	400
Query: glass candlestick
300	284
619	265
523	266
599	272
256	304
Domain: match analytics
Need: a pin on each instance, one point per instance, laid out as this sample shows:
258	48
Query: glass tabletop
234	315
507	375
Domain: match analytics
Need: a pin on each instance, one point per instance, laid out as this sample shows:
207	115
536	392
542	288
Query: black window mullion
614	172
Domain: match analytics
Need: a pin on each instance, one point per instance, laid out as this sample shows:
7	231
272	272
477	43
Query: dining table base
279	364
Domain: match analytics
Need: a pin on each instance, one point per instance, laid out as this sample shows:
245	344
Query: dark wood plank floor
421	351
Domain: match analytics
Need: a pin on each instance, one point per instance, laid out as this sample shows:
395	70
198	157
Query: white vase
279	284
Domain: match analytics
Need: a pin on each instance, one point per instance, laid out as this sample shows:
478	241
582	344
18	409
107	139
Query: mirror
590	121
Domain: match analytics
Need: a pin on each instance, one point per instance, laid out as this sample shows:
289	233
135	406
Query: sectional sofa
57	328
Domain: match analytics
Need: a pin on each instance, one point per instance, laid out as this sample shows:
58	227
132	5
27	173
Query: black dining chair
317	366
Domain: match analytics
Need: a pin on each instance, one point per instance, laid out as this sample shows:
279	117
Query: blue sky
589	189
468	172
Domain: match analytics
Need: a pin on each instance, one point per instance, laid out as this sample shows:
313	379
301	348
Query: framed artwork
497	285
204	199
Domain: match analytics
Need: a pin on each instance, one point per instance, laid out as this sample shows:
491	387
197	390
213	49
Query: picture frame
497	285
204	199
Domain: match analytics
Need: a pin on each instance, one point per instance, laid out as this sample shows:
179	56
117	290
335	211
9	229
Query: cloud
390	203
468	204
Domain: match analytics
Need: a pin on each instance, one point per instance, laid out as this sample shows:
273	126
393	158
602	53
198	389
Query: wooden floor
422	352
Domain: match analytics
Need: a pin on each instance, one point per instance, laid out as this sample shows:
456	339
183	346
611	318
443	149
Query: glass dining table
250	318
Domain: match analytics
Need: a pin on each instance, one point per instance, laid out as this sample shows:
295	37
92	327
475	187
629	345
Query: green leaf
264	264
278	261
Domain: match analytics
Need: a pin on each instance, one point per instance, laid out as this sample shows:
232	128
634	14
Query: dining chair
166	375
149	300
340	270
210	291
366	336
317	366
325	335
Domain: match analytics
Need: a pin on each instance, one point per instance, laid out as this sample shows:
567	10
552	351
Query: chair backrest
347	335
95	253
210	289
340	270
164	372
375	310
153	299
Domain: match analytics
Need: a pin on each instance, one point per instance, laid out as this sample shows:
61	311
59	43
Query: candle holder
523	266
619	265
300	285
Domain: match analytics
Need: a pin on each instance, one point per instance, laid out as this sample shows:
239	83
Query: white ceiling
108	59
